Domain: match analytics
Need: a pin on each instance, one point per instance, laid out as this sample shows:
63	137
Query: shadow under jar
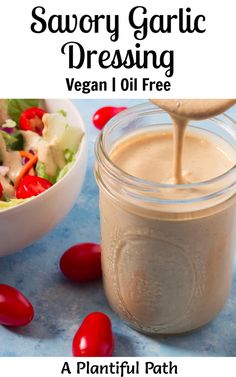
167	250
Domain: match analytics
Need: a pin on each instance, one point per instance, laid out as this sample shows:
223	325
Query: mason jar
167	258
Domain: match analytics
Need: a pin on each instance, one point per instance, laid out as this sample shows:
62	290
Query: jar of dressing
167	249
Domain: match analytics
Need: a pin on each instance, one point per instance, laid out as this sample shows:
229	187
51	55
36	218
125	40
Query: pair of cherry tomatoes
82	263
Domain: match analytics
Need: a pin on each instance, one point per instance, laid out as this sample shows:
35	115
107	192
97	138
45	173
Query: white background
31	65
52	367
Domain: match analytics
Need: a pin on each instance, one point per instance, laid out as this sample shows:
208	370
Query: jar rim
147	186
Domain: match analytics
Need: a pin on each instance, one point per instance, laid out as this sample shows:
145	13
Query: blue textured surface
60	305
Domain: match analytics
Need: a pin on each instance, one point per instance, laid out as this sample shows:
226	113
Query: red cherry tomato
94	337
1	190
32	186
82	262
104	114
15	309
31	120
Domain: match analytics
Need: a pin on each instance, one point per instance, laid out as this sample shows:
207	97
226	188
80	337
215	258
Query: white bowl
22	225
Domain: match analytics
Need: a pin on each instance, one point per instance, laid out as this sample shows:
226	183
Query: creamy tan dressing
48	153
7	187
10	159
52	156
31	140
182	111
45	156
150	156
3	111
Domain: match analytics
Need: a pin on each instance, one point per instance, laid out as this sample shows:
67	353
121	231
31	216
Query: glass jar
166	259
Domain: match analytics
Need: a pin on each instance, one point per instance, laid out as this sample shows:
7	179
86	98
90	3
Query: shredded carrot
29	156
26	154
31	171
25	169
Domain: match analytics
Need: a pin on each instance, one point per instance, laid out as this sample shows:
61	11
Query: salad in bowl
37	149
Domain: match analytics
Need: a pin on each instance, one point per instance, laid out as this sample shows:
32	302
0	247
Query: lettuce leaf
70	159
41	168
41	172
64	170
62	112
16	106
69	155
14	142
11	203
57	132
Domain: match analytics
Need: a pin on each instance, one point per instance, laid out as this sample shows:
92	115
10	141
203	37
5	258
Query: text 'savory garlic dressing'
167	265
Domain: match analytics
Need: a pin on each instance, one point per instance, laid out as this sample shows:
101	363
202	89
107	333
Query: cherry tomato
82	262
31	120
1	190
104	114
94	337
15	309
32	186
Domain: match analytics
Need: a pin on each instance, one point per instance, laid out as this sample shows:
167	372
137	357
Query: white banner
132	48
119	367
